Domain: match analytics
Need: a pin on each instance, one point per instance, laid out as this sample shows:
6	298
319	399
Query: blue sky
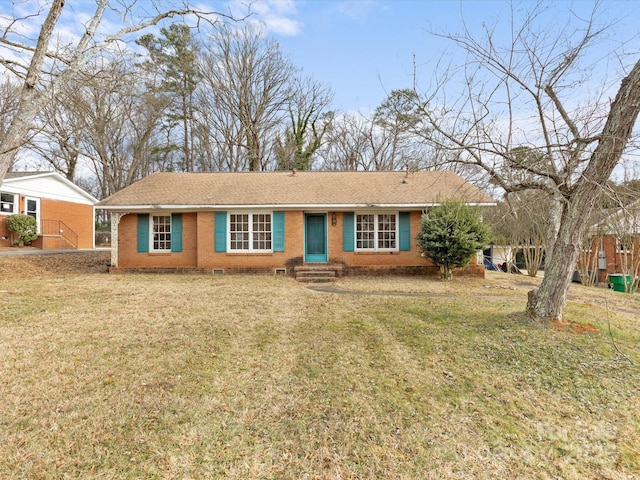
365	48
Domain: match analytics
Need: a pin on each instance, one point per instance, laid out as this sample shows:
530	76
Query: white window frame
35	213
376	232
153	233
251	233
14	204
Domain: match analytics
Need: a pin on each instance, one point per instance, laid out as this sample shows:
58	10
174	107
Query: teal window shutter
347	232
221	232
278	231
143	232
176	232
405	231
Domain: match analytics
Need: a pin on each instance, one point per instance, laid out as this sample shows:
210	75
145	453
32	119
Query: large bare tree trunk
32	100
547	302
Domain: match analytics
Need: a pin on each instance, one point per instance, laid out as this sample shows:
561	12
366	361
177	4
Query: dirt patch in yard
574	327
41	263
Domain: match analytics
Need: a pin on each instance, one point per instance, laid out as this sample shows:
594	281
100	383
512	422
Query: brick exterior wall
199	255
128	255
78	217
4	232
613	259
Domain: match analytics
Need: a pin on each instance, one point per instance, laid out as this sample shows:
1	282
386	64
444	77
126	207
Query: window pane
365	231
7	203
262	231
250	232
239	227
387	231
161	232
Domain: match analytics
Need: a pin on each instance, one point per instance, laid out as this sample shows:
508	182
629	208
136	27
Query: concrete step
318	273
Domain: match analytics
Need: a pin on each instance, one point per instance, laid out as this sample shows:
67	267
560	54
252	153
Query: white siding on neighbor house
502	253
50	186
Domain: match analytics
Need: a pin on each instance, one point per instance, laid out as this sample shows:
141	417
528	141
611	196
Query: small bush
450	234
23	228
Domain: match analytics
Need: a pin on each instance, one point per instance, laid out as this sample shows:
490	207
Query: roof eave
306	206
59	177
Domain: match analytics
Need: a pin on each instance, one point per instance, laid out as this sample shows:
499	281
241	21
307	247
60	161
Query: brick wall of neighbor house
198	253
4	233
614	263
609	245
78	217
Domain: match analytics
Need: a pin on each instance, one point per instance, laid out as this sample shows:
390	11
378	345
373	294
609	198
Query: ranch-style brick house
64	213
279	222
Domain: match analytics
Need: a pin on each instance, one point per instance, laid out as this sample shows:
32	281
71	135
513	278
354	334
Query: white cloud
276	16
355	10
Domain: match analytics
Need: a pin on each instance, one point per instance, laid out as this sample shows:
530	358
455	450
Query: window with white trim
250	232
161	233
376	232
8	203
624	243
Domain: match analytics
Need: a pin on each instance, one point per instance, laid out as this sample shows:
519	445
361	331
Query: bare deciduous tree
9	100
248	82
44	68
357	142
309	120
106	116
528	93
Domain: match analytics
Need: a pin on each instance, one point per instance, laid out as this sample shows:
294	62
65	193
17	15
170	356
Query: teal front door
315	244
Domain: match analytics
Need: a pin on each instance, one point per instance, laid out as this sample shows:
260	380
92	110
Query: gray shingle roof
286	189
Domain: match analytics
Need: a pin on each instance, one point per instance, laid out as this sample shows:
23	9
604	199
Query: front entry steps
318	273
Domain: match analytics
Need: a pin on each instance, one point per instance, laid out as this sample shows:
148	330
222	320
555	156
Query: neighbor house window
624	244
376	232
250	232
7	203
161	228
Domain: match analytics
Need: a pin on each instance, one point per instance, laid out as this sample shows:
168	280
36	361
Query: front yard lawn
149	376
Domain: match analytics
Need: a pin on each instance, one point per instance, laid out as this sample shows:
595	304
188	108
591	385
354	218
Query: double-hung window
161	228
376	232
7	203
250	232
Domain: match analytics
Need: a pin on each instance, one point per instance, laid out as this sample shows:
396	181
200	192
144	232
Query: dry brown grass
149	376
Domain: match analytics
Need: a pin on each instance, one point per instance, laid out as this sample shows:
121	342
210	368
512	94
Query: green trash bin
617	280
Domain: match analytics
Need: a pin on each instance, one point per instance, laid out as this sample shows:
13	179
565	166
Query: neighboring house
496	255
613	243
279	222
63	211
